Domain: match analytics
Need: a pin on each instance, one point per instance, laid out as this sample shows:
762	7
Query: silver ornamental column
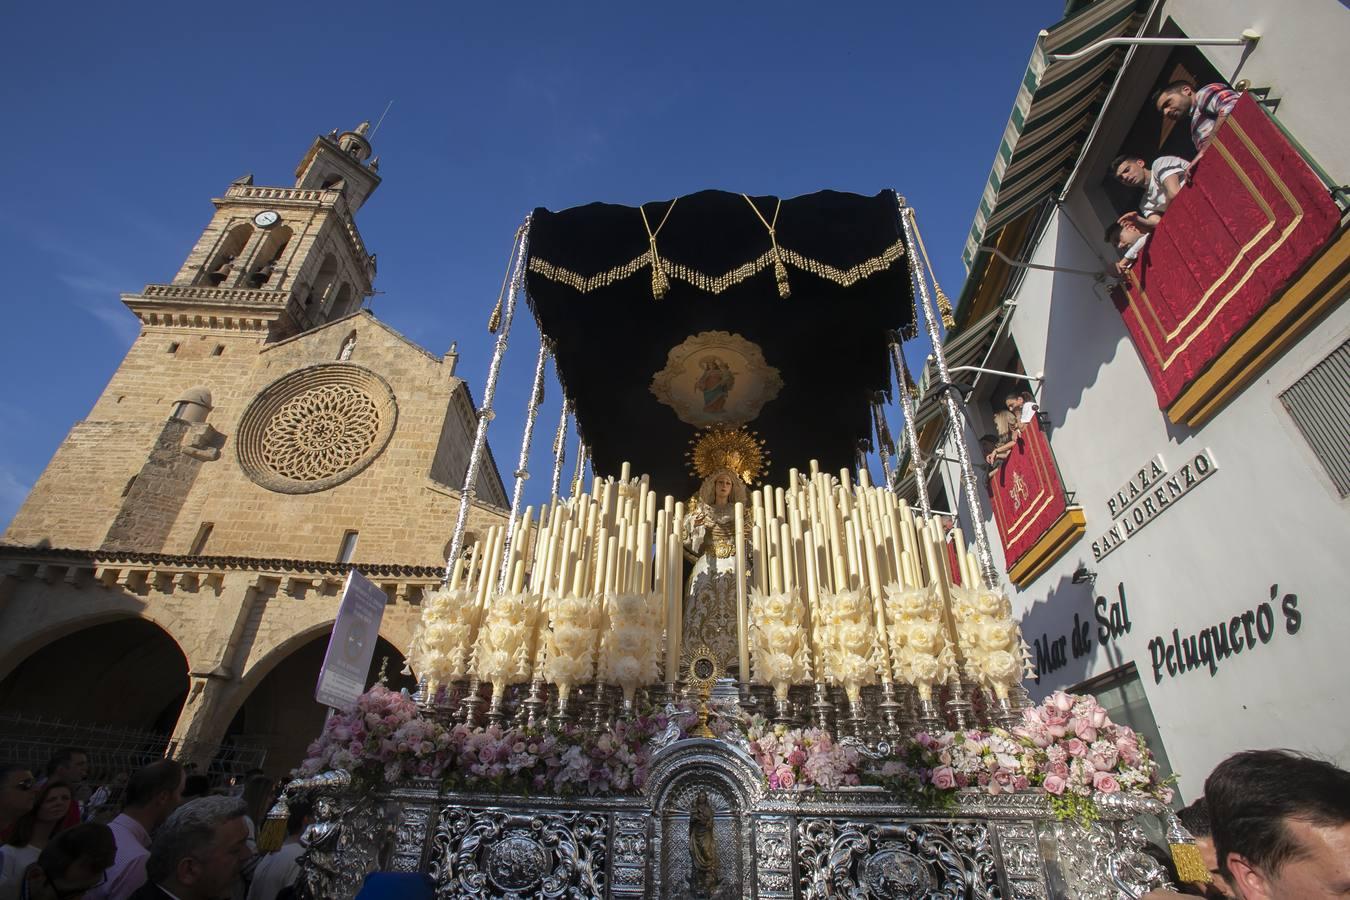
955	432
911	433
560	447
485	413
522	472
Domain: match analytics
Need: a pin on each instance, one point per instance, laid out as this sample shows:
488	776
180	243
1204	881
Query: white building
1195	570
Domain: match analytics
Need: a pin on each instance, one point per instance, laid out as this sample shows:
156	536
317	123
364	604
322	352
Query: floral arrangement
569	643
802	758
385	739
778	646
848	644
920	653
995	655
443	642
1067	747
630	653
504	655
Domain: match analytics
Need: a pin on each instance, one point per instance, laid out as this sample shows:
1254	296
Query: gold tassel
780	274
1190	867
495	320
945	310
660	283
273	832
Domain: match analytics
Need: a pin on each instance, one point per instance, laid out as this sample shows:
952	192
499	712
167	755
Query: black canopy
591	287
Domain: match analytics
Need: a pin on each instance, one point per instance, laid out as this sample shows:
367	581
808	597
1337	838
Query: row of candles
849	587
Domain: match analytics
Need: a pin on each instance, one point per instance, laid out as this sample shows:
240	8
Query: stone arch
67	620
113	669
224	264
273	703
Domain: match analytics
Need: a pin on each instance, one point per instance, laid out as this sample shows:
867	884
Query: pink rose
1061	701
796	757
1083	728
1059	769
1021	783
1077	749
1098	717
1103	782
1054	785
783	775
943	778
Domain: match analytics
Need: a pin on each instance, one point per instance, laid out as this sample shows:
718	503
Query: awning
966	348
1054	112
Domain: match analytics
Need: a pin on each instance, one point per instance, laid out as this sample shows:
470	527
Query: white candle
742	620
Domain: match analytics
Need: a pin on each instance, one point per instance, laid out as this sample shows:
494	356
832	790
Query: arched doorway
127	673
280	713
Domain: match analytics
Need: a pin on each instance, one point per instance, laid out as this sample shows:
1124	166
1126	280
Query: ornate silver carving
629	851
773	857
410	839
503	854
343	846
896	859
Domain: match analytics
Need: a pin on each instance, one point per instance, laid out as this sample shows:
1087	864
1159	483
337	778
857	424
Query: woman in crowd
31	834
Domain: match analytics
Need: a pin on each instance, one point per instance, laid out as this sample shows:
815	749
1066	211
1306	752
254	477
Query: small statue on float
710	537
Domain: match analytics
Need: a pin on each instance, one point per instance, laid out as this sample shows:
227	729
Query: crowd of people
1161	180
161	831
1272	825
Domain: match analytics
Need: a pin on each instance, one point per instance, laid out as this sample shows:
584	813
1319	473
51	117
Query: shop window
1121	694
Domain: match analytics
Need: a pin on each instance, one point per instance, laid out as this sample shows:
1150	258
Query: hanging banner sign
1148	495
351	647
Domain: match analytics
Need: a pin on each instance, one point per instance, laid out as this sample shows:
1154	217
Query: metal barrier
32	740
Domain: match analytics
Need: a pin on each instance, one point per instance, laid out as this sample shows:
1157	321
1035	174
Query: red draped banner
1229	243
1027	494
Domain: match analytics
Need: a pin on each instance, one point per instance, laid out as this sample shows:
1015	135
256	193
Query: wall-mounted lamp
1083	575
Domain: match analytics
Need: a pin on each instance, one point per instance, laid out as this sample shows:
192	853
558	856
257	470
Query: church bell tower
277	261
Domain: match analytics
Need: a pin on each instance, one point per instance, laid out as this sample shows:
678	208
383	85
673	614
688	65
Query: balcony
1241	265
1034	518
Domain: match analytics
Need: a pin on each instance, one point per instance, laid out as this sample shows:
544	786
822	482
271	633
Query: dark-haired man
1206	108
1129	240
1281	826
1159	182
71	864
152	793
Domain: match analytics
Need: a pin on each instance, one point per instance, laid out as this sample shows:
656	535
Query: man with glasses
73	864
17	796
199	852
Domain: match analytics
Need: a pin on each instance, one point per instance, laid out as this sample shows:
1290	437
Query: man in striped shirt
1207	108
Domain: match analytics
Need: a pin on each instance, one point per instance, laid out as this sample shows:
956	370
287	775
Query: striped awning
965	348
1056	106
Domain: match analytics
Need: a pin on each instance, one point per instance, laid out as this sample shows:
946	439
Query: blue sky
125	119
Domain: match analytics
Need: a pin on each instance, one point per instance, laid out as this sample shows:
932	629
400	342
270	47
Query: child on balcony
1129	239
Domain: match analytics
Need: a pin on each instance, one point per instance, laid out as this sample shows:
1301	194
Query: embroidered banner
1027	495
1229	243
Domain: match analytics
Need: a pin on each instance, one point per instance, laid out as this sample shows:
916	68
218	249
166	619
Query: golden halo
728	447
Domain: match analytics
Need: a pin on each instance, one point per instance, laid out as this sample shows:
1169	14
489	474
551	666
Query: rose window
316	428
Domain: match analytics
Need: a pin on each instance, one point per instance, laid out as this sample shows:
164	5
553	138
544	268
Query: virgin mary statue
710	537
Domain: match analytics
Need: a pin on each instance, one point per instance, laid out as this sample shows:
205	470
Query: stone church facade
179	563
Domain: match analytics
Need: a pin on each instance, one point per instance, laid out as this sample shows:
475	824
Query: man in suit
199	852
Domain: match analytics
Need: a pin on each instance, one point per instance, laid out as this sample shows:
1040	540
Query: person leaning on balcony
1206	107
1159	182
1129	240
1022	405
